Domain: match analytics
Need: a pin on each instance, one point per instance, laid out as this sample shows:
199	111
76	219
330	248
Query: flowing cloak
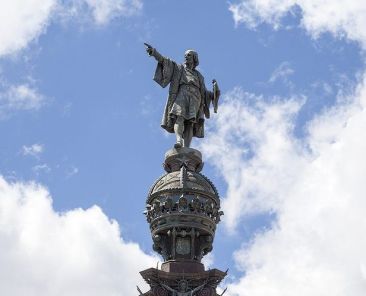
168	71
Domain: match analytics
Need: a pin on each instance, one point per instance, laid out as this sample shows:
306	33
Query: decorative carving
208	208
156	208
196	205
206	244
216	214
192	182
205	281
183	288
183	209
183	245
183	204
207	291
160	291
168	205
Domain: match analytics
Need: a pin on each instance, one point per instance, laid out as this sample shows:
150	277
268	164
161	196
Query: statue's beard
189	65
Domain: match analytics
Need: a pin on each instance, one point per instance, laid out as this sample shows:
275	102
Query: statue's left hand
216	94
215	87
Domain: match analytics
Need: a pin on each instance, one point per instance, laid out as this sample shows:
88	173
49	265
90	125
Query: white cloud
208	260
323	87
315	187
20	97
282	72
341	17
250	137
34	150
24	21
41	168
71	171
101	11
78	252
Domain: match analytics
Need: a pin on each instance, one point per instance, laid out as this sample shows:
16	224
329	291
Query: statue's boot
179	130
188	134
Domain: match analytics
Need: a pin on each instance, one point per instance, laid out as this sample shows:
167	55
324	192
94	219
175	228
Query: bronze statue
183	206
188	100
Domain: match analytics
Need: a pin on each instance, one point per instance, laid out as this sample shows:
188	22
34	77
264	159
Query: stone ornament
183	289
160	291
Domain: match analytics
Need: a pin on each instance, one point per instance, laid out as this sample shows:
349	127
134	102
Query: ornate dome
183	208
183	181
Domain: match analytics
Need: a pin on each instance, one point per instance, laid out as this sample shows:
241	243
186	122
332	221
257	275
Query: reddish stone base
156	278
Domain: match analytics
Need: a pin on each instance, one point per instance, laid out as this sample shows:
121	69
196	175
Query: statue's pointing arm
151	51
164	69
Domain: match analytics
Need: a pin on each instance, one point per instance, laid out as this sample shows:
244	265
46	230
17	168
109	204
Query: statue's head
191	56
183	285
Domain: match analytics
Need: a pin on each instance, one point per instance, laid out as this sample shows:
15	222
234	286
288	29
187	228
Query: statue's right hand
149	49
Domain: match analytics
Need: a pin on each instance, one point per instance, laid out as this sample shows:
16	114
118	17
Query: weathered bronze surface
188	102
183	205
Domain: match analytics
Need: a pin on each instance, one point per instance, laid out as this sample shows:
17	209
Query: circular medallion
205	292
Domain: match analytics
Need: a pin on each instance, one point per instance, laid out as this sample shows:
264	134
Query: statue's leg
188	133
178	130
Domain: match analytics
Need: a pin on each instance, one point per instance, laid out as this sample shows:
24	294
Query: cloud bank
78	252
19	97
247	141
101	11
34	150
22	22
341	18
314	186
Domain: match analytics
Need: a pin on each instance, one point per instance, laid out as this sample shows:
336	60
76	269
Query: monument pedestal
210	279
176	158
183	209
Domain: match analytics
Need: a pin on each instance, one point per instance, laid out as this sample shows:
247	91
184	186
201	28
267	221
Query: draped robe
169	72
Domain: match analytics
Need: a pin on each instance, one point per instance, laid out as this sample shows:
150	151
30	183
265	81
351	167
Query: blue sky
80	123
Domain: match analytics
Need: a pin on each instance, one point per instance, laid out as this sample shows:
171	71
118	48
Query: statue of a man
183	289
188	100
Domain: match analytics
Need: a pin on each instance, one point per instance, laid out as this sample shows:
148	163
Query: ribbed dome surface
183	181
